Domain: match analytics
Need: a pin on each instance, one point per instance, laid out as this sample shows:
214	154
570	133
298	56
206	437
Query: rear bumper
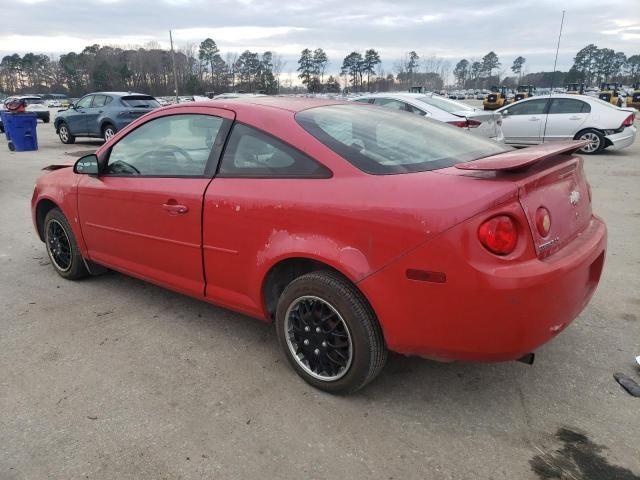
487	309
623	139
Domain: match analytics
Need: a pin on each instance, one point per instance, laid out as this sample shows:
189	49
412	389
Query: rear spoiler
524	157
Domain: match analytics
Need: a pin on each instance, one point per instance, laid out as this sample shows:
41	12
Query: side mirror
87	165
504	113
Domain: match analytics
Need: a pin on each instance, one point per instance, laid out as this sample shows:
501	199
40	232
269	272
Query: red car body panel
371	228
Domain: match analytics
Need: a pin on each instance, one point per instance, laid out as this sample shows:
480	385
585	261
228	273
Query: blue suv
101	114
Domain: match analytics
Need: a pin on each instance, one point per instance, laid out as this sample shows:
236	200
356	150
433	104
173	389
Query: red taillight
543	221
499	235
628	122
465	123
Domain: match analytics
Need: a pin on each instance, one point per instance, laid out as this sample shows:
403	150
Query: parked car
101	114
355	229
35	104
458	114
565	117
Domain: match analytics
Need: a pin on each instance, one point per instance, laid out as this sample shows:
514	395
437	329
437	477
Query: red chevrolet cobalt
356	229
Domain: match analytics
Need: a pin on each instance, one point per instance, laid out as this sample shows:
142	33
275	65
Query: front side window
85	102
531	107
171	146
252	153
568	105
98	101
388	142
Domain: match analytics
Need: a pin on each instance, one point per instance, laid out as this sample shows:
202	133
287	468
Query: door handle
175	208
574	118
533	119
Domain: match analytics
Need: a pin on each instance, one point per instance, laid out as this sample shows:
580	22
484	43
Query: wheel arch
285	270
43	207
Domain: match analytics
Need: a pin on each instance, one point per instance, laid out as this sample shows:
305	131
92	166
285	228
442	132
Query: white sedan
565	117
476	121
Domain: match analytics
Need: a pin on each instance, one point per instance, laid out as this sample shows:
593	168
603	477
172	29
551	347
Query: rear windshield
383	141
140	101
34	101
446	105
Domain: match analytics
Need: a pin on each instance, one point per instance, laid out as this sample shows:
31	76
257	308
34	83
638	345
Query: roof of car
292	104
120	94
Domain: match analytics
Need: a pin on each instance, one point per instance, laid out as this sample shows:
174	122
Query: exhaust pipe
528	358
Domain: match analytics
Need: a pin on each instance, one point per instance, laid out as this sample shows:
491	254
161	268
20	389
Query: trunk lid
546	176
488	127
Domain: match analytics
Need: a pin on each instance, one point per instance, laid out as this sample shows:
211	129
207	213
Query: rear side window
568	105
254	154
140	101
384	141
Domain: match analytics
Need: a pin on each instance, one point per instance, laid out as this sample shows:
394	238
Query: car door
77	117
93	112
566	117
523	122
142	215
261	183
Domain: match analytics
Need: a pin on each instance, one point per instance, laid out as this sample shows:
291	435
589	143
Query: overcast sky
449	28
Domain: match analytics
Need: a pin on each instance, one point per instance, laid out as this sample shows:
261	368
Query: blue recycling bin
20	130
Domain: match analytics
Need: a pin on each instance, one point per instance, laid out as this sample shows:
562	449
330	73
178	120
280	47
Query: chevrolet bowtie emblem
574	197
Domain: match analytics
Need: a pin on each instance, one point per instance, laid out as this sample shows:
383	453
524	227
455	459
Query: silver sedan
565	117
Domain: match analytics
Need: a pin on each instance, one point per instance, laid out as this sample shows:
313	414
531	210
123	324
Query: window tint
172	146
251	153
108	100
531	107
85	102
385	142
414	110
140	101
390	103
568	105
98	101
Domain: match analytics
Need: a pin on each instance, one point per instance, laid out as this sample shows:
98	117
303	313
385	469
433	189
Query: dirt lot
113	378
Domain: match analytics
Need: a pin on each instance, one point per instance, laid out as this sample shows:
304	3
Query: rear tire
595	137
329	333
65	134
108	131
62	247
46	120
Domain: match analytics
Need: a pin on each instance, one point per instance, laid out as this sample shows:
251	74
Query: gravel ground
113	378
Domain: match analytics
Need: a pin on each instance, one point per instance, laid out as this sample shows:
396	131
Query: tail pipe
528	358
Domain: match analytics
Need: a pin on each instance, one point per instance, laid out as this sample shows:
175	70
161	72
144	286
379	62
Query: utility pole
173	61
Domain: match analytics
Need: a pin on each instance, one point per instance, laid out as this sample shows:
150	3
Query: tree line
199	68
591	66
202	67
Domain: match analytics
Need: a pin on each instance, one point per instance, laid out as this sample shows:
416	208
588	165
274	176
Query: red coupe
356	229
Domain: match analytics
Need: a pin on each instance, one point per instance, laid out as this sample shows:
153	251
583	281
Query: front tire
329	333
62	247
595	137
65	134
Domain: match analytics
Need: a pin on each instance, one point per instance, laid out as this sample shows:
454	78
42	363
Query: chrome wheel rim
318	338
58	246
594	142
64	133
108	133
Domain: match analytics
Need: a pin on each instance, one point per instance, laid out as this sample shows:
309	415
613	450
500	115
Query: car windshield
383	141
446	105
140	101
